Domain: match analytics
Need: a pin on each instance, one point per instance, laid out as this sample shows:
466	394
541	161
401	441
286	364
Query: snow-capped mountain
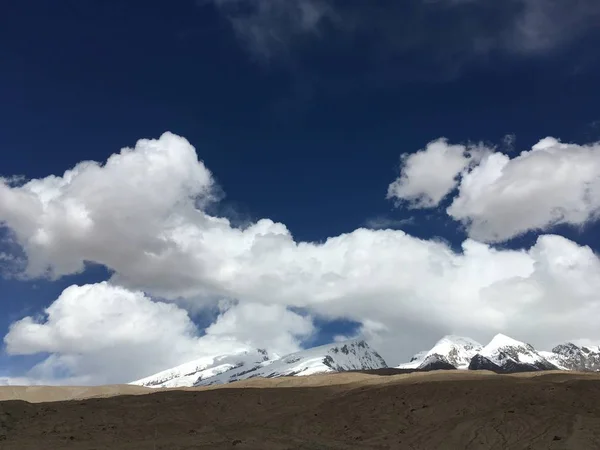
337	357
573	357
449	352
189	373
505	354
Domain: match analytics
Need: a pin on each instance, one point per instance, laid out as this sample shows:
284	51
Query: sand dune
436	410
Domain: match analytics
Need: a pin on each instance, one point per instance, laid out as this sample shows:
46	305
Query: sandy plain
375	410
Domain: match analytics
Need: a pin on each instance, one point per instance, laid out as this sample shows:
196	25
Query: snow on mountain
435	362
455	351
505	354
186	375
415	361
554	359
502	347
573	357
244	364
338	357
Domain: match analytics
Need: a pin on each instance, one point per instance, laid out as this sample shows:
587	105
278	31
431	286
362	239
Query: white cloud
404	291
428	175
97	317
262	325
551	184
500	197
130	198
106	334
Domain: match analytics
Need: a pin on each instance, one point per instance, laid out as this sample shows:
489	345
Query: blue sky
302	111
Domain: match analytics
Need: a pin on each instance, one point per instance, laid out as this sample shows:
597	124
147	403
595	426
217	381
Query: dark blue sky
309	132
81	80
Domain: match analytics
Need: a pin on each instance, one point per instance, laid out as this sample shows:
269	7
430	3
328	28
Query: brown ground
432	411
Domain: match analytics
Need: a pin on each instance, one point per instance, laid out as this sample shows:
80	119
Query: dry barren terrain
437	410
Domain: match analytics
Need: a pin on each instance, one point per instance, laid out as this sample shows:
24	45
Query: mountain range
337	357
501	355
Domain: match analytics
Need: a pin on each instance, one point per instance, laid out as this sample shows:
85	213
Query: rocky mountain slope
573	357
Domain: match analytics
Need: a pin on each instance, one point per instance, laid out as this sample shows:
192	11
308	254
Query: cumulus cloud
91	204
500	197
141	215
262	325
429	175
553	183
102	333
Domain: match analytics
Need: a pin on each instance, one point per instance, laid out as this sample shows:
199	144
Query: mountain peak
566	349
514	356
451	350
458	340
501	340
